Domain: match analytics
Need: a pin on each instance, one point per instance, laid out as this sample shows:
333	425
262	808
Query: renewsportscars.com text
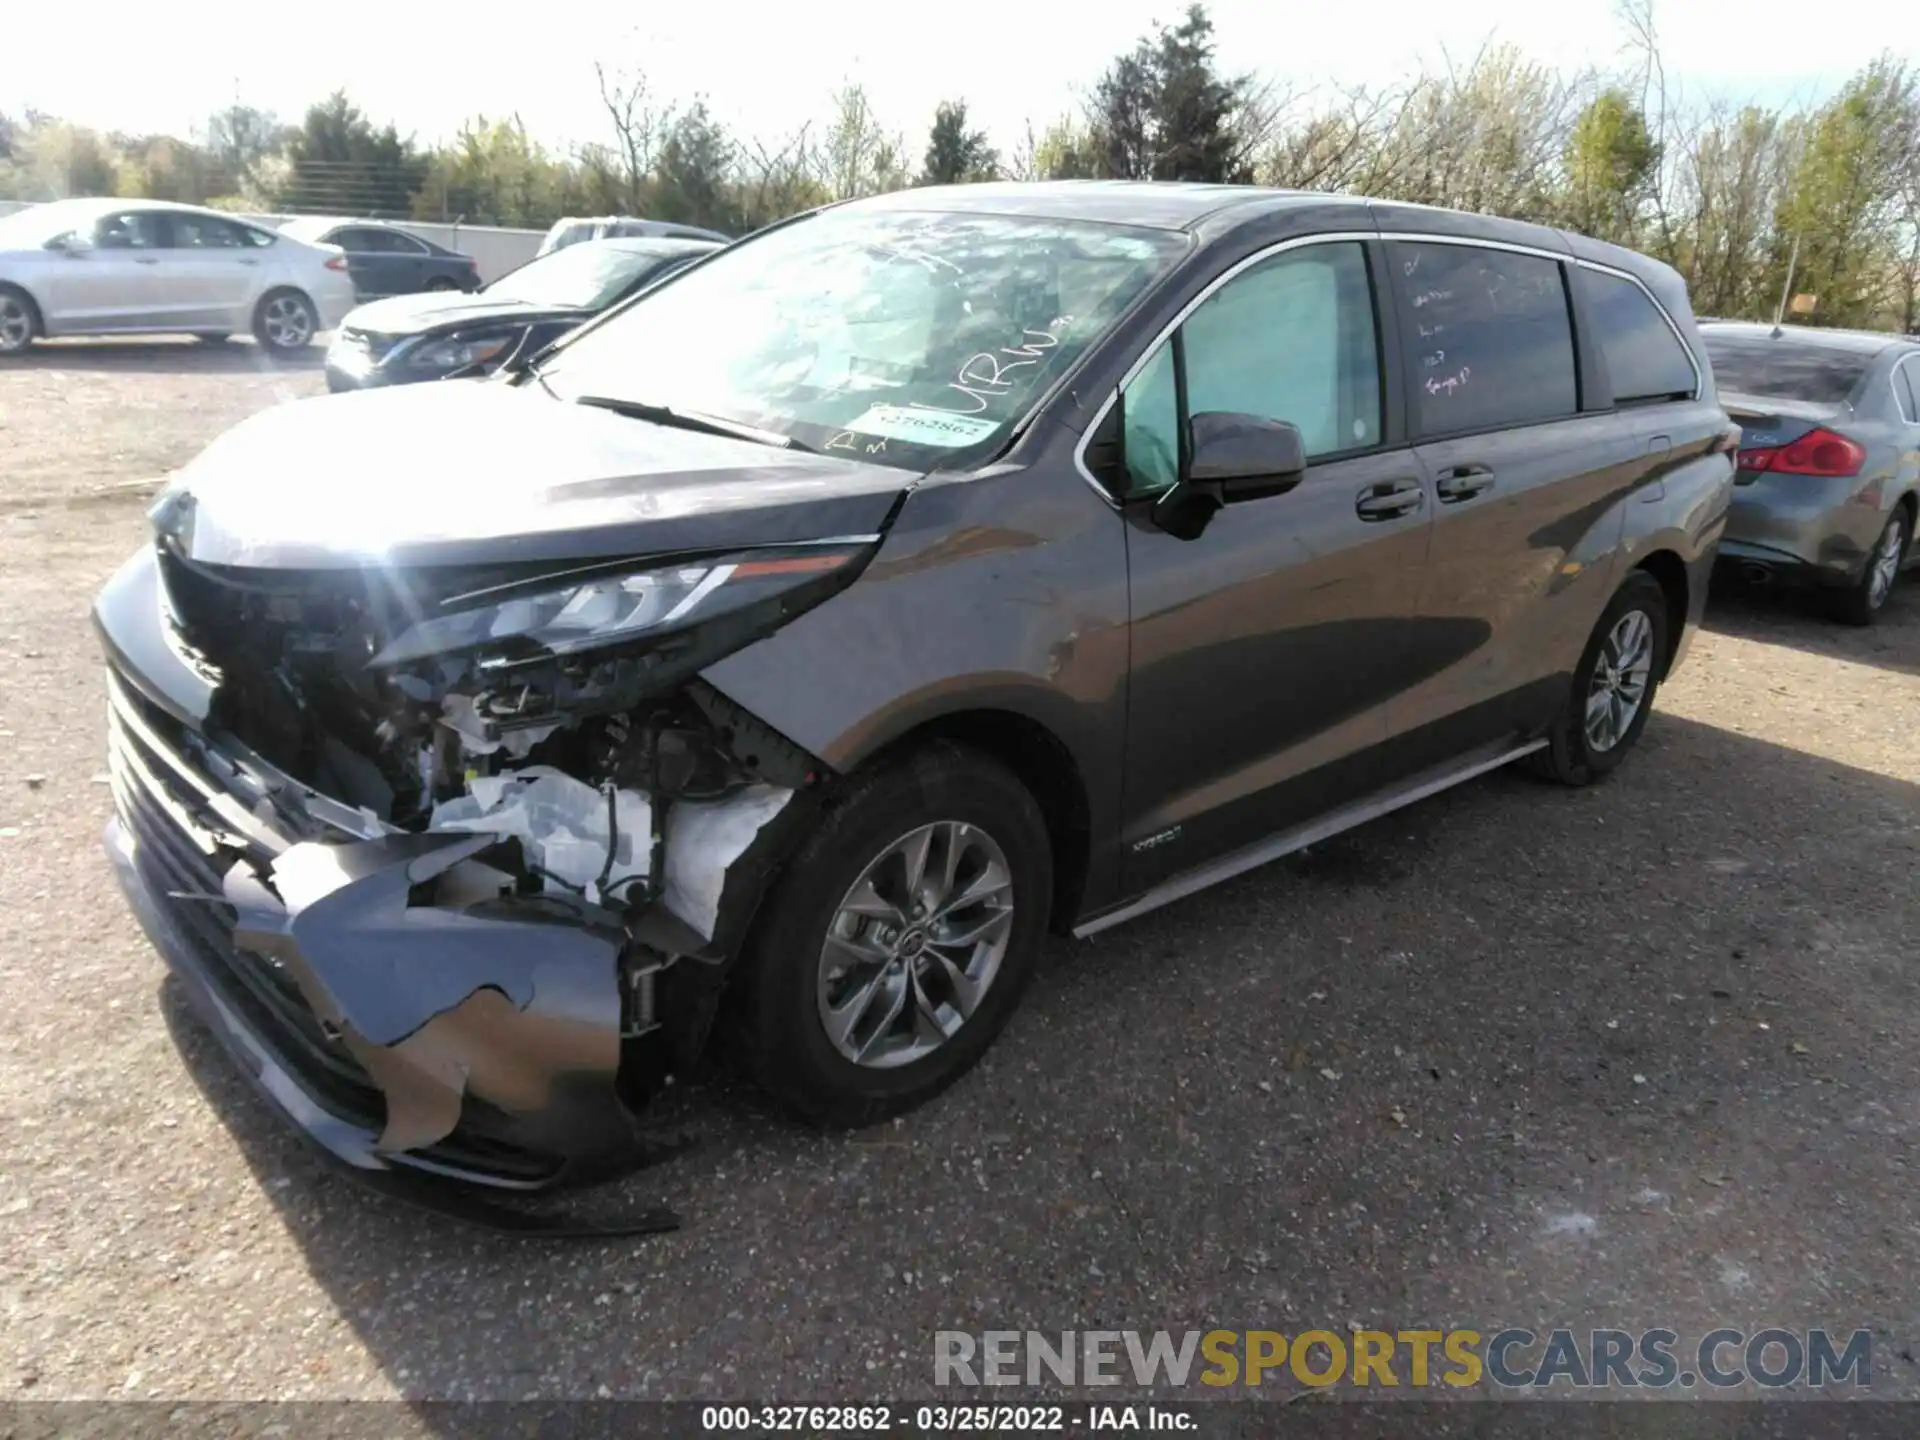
1602	1359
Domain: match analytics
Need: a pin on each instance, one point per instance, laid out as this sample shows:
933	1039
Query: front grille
183	858
183	853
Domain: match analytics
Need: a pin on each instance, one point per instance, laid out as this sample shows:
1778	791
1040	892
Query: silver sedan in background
142	267
1828	488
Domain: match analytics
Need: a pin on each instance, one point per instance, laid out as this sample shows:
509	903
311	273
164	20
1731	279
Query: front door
113	279
1266	651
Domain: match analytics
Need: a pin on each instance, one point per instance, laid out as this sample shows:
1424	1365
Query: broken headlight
613	609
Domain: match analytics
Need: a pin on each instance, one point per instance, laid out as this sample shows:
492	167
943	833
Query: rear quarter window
1645	359
1785	369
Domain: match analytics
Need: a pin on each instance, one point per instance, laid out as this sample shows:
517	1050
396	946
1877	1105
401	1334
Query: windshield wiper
691	420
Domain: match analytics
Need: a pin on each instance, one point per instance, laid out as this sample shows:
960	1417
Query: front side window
1488	338
1292	338
132	230
907	338
1645	359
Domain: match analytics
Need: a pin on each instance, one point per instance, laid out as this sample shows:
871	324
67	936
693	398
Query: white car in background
145	267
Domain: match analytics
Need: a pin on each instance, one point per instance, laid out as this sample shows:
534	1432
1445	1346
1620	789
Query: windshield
580	277
905	338
1784	369
38	224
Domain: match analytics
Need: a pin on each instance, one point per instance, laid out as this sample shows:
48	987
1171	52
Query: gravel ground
1640	1055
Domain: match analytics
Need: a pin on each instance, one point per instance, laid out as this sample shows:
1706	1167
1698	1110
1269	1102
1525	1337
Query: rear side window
1645	359
1906	382
1488	338
205	232
1784	369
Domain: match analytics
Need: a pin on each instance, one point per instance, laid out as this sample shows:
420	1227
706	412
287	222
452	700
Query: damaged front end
455	860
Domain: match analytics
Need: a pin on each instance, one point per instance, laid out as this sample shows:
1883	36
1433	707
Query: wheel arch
1042	762
1666	567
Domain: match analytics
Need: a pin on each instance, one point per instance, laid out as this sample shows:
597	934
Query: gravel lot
1643	1055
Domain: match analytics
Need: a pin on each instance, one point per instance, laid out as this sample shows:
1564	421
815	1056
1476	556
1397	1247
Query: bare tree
636	129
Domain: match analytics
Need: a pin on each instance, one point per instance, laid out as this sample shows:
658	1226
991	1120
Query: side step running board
1384	802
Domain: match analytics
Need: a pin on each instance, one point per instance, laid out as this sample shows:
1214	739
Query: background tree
692	182
625	97
858	156
1611	163
955	153
241	141
340	164
1165	112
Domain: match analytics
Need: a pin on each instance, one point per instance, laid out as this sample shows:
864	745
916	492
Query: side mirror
1231	458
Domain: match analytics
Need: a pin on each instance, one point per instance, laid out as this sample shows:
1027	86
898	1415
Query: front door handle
1388	498
1462	482
146	259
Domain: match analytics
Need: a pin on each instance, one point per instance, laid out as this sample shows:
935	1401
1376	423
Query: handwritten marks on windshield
990	375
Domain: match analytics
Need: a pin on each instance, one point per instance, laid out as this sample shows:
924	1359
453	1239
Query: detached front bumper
398	1002
399	1025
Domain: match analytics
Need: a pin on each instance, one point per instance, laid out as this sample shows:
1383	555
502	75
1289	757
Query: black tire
782	1031
270	335
440	283
1858	604
20	323
1571	757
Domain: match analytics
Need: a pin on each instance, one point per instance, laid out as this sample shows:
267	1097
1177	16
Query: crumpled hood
463	472
446	310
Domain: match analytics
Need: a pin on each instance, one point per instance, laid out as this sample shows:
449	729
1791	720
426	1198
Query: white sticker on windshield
923	427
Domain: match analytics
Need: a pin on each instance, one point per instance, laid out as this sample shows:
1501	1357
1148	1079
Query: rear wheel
440	282
1860	602
1613	687
285	322
897	943
19	320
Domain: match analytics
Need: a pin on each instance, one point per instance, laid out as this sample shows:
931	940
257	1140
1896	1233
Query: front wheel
1860	602
19	321
897	943
285	322
1613	687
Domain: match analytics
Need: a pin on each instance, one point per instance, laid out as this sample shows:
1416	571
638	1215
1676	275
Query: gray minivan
792	647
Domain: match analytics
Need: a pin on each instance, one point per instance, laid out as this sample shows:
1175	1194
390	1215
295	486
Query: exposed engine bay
536	913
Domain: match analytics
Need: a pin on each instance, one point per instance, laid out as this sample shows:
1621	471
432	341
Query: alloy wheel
16	325
1620	676
287	323
915	944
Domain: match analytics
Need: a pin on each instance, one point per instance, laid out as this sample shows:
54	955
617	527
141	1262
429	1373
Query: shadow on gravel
1782	615
1359	1083
186	357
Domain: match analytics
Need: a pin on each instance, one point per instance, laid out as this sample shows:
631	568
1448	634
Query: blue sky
766	68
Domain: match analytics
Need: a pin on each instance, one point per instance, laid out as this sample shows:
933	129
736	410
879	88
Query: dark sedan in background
386	260
426	337
1829	479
